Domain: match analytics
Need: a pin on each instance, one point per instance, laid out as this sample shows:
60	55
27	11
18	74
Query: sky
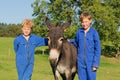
15	11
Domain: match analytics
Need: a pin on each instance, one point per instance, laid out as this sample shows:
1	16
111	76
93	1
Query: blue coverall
89	52
25	54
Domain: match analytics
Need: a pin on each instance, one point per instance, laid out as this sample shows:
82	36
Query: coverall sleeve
15	45
97	48
72	41
76	39
41	41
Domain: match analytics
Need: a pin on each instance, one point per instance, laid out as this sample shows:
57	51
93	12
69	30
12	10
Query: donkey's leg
53	70
63	76
73	75
68	74
57	75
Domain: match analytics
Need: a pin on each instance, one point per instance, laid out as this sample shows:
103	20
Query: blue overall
25	54
89	52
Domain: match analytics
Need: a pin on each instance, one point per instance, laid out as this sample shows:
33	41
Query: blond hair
85	15
27	23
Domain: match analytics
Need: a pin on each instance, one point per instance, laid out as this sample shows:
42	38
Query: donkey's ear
48	23
67	24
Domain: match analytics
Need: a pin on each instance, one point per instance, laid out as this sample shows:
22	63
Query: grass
109	67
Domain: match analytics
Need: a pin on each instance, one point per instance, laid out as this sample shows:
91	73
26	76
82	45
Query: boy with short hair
89	50
24	46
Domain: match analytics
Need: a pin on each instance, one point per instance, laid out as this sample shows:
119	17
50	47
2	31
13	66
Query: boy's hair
27	23
85	15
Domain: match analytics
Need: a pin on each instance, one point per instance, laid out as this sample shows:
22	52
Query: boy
24	46
89	51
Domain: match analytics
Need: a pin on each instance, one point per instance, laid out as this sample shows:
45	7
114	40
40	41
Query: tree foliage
106	22
105	16
57	10
9	30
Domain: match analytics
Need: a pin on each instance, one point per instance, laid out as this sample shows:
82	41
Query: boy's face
26	31
86	23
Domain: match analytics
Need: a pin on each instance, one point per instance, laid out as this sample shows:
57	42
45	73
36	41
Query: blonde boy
89	51
24	46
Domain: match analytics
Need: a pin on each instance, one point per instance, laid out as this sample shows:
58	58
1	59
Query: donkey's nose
53	54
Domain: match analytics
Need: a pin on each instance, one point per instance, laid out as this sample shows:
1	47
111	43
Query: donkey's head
55	39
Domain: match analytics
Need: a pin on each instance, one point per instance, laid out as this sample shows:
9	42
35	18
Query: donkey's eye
61	39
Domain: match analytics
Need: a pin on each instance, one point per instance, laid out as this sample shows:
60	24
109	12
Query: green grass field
109	67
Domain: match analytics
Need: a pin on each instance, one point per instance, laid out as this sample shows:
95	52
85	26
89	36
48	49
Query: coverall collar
82	29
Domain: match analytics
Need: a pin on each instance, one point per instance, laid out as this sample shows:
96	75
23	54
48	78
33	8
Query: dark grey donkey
62	54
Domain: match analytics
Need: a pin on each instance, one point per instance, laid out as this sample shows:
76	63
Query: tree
105	22
105	16
13	30
57	10
9	30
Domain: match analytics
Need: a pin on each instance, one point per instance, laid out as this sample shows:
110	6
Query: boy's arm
97	51
72	41
42	41
15	45
77	39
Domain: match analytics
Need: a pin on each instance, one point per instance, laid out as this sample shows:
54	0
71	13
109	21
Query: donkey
62	54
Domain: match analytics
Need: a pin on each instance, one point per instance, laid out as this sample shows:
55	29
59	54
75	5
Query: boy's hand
94	68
